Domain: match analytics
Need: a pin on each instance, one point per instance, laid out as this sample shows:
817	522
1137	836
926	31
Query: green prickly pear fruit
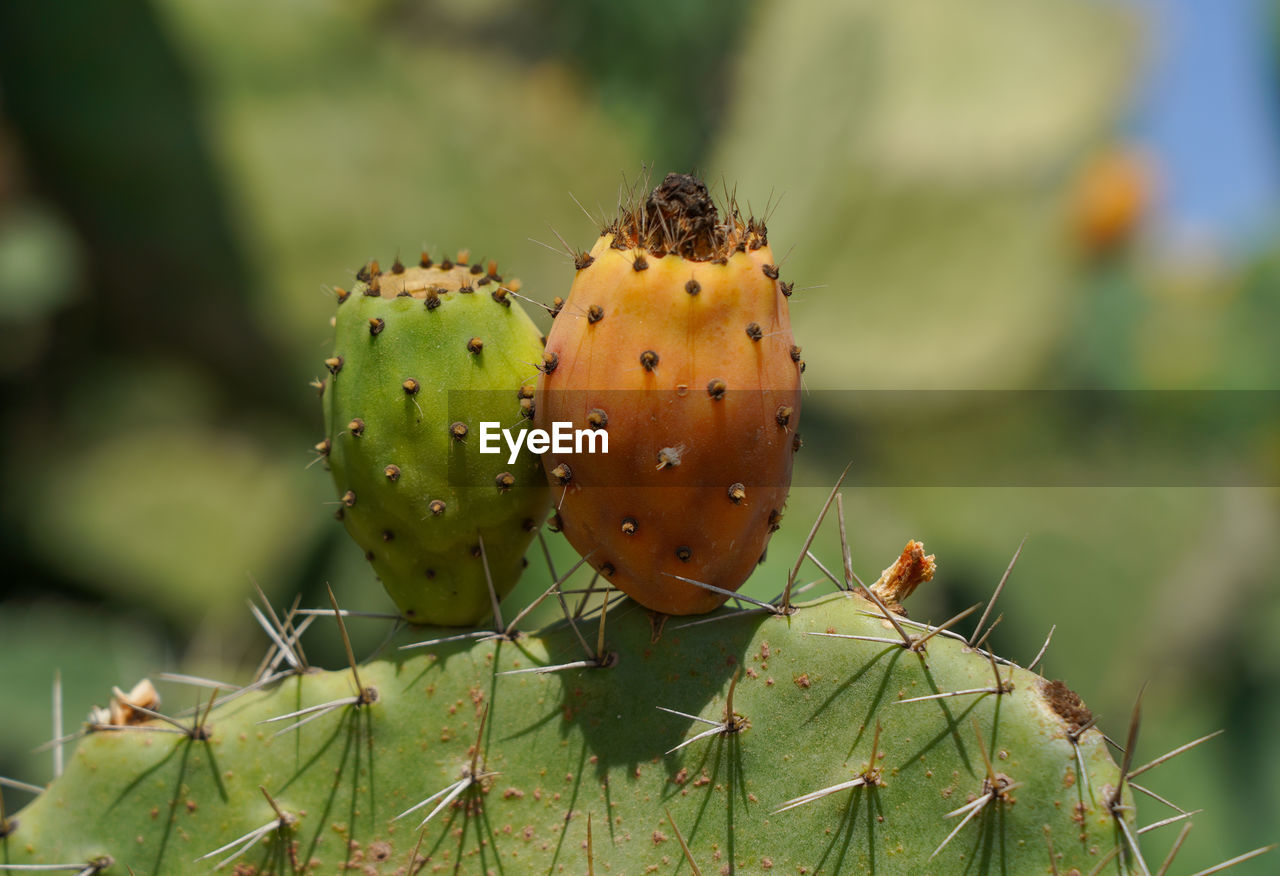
423	356
676	339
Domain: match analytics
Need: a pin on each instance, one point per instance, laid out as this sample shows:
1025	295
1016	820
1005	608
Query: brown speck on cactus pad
1067	704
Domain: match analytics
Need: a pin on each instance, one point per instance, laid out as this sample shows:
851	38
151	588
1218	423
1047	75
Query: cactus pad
613	766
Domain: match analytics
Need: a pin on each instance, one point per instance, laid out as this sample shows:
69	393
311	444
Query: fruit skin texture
413	489
676	327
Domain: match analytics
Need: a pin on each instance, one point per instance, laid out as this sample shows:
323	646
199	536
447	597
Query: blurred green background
996	194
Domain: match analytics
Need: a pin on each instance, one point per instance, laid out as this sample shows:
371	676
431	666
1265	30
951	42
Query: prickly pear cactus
838	737
675	339
423	355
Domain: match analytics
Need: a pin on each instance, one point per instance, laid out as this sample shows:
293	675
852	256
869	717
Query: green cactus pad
422	356
529	760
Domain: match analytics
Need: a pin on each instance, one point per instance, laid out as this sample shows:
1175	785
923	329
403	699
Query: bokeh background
995	194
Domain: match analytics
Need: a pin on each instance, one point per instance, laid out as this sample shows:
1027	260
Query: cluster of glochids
675	339
834	736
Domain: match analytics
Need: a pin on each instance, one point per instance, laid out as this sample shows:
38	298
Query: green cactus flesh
581	770
422	356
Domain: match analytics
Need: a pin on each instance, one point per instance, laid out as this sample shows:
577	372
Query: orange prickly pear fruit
676	341
1111	198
